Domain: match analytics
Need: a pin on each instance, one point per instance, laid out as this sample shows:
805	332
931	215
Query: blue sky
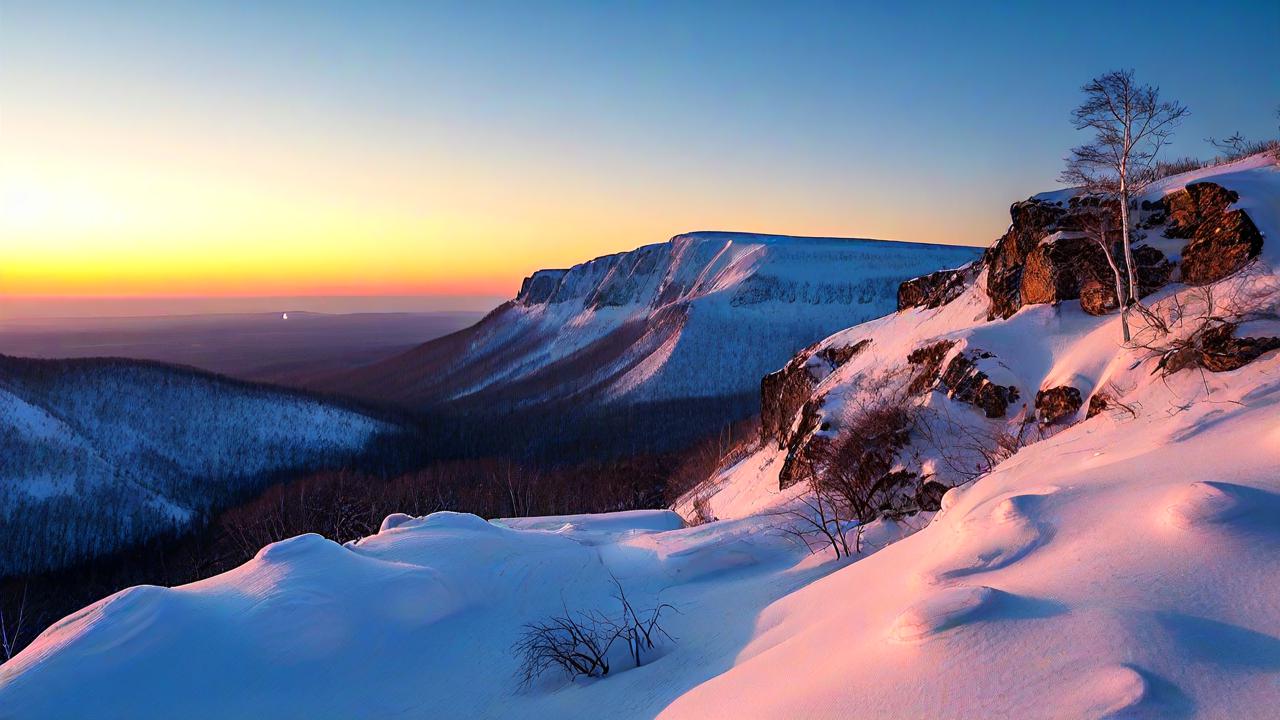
478	141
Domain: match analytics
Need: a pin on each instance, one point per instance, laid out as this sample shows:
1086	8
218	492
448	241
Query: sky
171	152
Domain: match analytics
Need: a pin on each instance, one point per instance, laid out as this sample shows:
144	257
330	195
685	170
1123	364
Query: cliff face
703	315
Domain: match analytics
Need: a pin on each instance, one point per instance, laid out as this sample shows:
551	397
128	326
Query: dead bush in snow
855	479
1195	329
640	630
964	452
702	513
579	643
819	521
576	643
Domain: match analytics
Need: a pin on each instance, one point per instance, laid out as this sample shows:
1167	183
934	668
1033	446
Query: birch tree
1130	124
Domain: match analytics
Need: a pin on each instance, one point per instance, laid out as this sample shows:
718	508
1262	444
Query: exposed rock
962	379
1055	271
539	287
1216	349
1098	297
1055	404
1032	220
803	446
1098	288
928	362
1152	268
784	392
1023	268
935	289
1099	402
838	356
929	495
1221	240
966	383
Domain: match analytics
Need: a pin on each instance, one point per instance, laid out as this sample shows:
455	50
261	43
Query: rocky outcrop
1045	257
935	289
961	380
1056	404
1032	220
966	383
803	446
838	355
1221	240
784	393
1098	289
1098	297
927	366
1099	402
1023	268
1216	348
1056	270
540	287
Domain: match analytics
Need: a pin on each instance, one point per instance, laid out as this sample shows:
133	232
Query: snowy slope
704	314
97	452
1118	566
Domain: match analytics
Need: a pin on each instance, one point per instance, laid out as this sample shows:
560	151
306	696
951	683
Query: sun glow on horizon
160	149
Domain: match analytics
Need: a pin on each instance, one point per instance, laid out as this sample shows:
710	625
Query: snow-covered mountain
98	453
702	315
1108	548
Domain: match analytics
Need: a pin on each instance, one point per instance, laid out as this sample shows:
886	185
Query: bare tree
1130	124
1097	226
13	626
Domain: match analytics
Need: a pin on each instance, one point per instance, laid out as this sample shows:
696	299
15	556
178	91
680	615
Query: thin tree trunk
1119	280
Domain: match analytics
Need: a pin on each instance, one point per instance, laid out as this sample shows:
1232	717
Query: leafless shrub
640	629
967	453
1182	331
1238	147
579	643
1234	148
702	513
576	643
854	479
819	521
1177	167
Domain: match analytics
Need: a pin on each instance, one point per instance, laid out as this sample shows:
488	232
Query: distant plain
264	347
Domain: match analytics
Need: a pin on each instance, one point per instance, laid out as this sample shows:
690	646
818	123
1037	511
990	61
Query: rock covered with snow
937	358
1221	239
